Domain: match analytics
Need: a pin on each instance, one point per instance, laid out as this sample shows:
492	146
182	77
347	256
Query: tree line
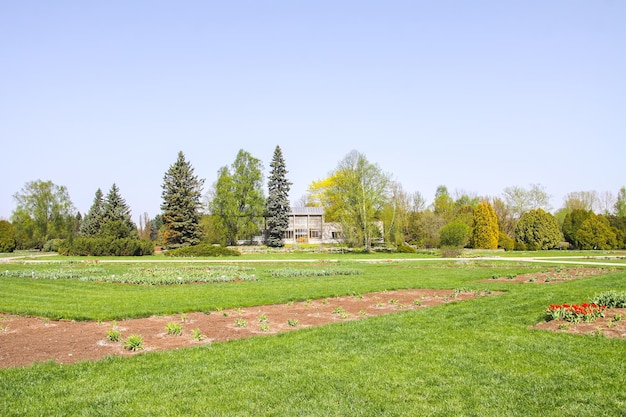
371	209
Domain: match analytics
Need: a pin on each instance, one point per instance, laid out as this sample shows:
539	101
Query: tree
182	192
620	203
572	223
44	211
277	205
443	205
238	200
92	223
356	195
595	233
455	234
537	230
395	214
521	200
486	231
582	200
7	237
116	216
506	217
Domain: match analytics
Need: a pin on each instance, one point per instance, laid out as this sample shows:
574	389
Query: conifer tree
277	205
117	221
92	223
486	231
182	191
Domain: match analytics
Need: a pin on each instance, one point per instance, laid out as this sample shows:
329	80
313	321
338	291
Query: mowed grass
475	358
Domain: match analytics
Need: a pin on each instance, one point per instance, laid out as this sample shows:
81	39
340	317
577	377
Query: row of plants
106	246
586	312
202	250
179	275
305	272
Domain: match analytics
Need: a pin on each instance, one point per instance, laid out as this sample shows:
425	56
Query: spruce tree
182	191
277	205
92	223
117	221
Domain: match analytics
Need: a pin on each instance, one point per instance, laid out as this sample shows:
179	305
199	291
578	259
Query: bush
611	299
202	250
98	246
404	248
455	234
451	252
7	237
52	245
505	242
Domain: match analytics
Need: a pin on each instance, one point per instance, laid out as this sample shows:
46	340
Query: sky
474	95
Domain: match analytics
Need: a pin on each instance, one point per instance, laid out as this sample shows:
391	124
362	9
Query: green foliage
91	225
404	248
596	233
485	233
618	225
52	245
197	335
202	250
610	299
182	191
355	195
505	242
238	202
572	223
171	276
7	237
295	272
620	203
537	230
277	204
455	234
44	211
106	246
451	251
134	342
114	335
175	329
116	217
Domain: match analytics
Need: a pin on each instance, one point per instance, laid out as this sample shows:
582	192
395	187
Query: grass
476	357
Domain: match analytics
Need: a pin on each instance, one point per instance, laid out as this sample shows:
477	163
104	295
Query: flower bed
575	313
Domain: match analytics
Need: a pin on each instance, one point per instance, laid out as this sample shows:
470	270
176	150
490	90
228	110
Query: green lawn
472	358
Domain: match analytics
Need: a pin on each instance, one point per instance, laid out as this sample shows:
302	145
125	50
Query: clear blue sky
473	95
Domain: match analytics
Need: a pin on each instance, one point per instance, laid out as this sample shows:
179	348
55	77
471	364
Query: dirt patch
613	324
26	340
552	275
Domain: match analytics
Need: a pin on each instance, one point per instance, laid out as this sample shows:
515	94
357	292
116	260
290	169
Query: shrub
52	245
451	252
99	246
456	234
174	328
610	299
506	242
114	335
7	237
202	250
404	248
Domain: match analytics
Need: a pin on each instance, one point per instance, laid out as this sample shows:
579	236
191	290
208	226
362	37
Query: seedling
262	318
239	322
174	329
197	335
114	335
264	327
133	343
417	302
292	322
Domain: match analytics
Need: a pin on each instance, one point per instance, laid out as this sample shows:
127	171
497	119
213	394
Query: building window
335	235
289	234
315	234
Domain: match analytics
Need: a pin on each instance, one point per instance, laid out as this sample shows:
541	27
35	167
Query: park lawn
476	357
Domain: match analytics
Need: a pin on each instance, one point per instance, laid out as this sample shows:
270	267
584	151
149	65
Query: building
307	225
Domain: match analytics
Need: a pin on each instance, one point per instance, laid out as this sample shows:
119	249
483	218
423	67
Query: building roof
306	211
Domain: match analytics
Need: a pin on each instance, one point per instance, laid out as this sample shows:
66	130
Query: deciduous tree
7	237
44	211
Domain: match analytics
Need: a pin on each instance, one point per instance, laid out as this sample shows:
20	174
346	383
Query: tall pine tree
92	223
277	205
182	191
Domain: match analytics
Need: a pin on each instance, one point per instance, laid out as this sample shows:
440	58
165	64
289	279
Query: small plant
114	335
338	310
239	322
197	335
183	318
358	296
133	343
563	326
617	317
325	302
293	322
307	303
262	318
264	327
290	303
417	302
362	313
380	304
174	329
393	301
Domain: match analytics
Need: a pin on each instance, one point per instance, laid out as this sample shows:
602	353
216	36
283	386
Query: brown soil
553	275
26	340
613	324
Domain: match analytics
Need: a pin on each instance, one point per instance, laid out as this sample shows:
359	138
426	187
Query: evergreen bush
202	250
98	246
